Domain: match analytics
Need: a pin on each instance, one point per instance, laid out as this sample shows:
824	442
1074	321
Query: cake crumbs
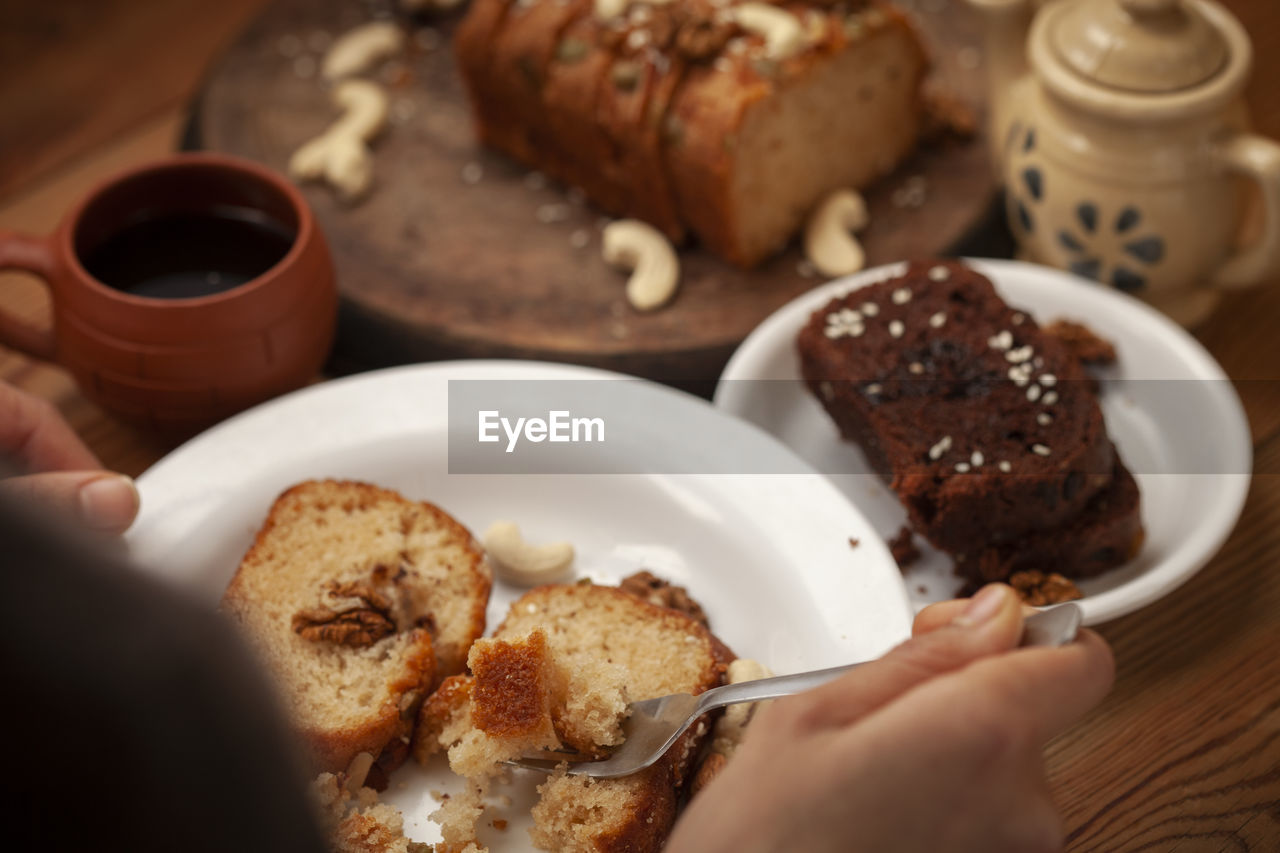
853	543
1087	347
499	824
1038	588
903	547
947	118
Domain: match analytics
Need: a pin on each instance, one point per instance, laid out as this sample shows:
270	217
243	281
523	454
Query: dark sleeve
133	718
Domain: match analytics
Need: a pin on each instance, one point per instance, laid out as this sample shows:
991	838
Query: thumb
100	500
990	623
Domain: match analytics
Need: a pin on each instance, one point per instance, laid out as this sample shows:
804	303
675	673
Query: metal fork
653	725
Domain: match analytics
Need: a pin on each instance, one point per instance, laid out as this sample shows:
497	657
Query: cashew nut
783	35
518	562
340	155
641	248
828	242
358	50
358	771
606	9
732	725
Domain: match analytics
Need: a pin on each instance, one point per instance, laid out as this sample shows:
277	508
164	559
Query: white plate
767	555
1165	431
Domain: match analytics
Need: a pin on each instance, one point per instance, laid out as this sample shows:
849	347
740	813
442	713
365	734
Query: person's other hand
58	471
938	746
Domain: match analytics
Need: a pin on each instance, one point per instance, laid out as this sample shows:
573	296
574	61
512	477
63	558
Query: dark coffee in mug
181	255
127	269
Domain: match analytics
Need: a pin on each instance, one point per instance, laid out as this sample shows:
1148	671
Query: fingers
1012	702
938	615
99	500
987	624
36	436
1053	687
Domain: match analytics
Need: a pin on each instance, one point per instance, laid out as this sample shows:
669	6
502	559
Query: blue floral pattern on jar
1108	249
1085	247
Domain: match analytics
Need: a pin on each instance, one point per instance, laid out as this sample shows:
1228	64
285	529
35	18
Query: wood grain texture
75	74
1185	753
431	266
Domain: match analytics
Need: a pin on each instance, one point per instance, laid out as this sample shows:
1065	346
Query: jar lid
1147	46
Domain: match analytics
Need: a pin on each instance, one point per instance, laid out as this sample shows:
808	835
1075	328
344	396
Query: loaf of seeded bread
359	601
987	429
559	671
677	114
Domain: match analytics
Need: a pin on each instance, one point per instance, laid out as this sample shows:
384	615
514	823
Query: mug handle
33	255
1257	158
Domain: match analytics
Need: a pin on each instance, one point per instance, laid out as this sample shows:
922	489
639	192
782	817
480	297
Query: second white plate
1182	430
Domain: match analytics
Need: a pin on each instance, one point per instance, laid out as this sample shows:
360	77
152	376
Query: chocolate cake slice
1106	533
985	427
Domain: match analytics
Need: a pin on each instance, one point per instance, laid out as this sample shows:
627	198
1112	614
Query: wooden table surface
1183	756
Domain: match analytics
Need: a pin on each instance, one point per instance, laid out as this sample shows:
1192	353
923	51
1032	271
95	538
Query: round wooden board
436	264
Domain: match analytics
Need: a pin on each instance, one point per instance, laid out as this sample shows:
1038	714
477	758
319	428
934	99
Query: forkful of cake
652	726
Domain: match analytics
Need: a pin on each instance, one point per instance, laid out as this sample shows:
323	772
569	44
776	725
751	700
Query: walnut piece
647	586
903	547
1039	588
701	38
357	616
1082	342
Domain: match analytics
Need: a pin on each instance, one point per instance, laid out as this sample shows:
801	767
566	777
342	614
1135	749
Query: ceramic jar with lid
1125	149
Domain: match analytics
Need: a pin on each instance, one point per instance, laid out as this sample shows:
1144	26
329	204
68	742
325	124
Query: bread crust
712	104
646	129
265	605
654	794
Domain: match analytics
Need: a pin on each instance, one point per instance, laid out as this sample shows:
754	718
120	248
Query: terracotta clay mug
174	358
